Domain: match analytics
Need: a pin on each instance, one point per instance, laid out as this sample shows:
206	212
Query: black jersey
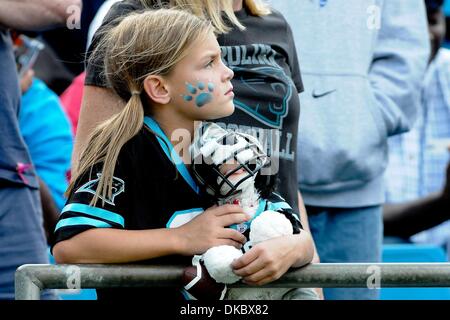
150	190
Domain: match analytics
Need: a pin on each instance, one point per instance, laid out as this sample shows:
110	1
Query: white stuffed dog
228	166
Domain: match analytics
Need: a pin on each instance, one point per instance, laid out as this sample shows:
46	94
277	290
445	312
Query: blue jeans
347	235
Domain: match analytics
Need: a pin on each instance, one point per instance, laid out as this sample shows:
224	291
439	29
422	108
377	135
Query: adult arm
49	210
407	219
305	224
35	15
98	105
400	58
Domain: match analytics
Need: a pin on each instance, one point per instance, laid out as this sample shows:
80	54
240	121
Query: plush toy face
225	162
235	174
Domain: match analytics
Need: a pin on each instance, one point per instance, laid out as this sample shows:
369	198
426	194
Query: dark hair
266	184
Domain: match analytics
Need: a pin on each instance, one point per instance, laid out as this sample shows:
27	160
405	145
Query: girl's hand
267	261
209	229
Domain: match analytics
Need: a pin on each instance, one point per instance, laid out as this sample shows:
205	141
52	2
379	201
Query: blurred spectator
63	57
71	100
22	238
70	44
418	159
362	64
49	141
51	69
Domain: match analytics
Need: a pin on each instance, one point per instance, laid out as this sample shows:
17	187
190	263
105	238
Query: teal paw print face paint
201	94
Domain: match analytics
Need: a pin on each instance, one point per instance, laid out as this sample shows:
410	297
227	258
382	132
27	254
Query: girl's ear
156	89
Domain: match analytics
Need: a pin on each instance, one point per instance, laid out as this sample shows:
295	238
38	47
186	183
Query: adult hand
209	229
26	81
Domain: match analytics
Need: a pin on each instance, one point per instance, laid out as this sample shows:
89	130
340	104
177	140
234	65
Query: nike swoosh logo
320	95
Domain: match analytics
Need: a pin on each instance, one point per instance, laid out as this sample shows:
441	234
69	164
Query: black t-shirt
266	85
266	82
150	190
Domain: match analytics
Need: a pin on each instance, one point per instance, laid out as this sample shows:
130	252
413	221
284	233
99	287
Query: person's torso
418	158
342	132
15	163
436	125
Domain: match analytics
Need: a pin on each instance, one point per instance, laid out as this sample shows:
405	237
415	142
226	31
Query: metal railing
30	280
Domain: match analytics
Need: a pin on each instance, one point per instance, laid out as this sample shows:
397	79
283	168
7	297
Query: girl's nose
228	74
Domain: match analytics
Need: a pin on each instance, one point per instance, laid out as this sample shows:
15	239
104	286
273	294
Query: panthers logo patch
118	186
273	88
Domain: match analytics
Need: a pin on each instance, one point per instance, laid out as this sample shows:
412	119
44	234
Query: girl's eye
209	64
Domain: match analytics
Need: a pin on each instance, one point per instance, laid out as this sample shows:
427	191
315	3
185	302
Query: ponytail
145	43
106	142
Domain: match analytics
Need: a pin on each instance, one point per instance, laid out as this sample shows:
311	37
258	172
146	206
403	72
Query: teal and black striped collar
170	152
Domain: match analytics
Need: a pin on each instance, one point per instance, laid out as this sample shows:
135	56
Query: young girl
131	184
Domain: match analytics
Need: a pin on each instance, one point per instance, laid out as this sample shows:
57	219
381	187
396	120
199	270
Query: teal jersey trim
95	212
177	214
171	154
278	205
78	221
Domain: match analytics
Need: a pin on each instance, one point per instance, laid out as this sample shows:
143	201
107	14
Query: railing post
27	286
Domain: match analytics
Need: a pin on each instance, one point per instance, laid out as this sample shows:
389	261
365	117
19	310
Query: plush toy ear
265	184
268	225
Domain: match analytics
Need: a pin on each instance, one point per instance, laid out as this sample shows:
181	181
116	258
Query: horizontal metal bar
31	279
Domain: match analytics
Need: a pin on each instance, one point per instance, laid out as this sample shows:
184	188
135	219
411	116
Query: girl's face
200	85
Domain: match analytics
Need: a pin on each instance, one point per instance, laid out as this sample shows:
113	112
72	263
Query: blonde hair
151	42
212	10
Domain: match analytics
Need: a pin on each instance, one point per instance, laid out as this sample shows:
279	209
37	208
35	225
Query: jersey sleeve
276	203
108	212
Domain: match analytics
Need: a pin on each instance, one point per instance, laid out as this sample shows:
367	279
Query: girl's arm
116	246
269	260
126	246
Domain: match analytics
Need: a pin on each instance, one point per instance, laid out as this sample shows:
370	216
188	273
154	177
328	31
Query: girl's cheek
200	93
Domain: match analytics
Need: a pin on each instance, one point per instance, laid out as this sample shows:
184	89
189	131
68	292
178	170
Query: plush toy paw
218	261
